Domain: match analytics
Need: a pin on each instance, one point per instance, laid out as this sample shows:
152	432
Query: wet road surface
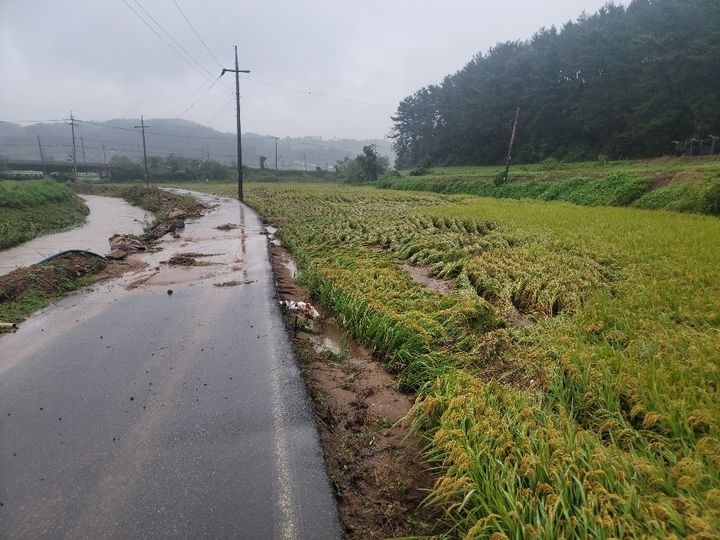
108	215
128	412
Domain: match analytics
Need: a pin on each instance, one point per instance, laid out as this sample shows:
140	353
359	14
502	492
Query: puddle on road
224	253
108	215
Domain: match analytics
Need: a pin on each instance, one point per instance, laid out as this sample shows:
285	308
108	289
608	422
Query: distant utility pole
74	154
82	145
512	142
142	127
107	164
237	72
276	165
42	157
305	161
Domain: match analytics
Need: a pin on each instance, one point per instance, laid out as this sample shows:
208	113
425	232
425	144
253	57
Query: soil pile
53	278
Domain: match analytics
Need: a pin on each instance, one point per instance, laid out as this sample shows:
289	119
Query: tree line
624	82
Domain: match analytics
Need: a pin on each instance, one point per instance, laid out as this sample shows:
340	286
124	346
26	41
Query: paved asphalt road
127	412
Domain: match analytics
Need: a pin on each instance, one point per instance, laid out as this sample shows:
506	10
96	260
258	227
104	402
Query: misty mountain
119	137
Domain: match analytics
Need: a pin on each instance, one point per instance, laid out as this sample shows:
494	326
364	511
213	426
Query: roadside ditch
375	463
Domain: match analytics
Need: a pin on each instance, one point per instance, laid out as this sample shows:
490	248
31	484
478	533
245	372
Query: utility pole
42	157
512	142
305	161
82	145
237	72
142	127
276	165
74	154
107	164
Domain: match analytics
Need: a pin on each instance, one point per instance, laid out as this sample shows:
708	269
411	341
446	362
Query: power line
203	72
199	97
222	26
317	94
196	33
175	41
220	110
225	137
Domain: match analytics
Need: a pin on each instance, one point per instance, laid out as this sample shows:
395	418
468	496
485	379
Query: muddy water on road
108	215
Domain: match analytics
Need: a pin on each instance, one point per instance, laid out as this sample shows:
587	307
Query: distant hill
180	137
624	82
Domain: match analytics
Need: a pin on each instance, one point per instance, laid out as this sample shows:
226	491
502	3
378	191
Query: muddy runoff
74	264
108	215
374	461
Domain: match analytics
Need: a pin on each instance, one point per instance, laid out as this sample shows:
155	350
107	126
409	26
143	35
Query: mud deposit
380	480
422	275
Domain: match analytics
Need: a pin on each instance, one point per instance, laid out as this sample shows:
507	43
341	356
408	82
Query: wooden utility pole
276	165
237	72
74	154
512	142
42	157
107	164
142	127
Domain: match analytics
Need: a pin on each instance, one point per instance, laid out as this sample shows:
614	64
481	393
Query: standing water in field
108	215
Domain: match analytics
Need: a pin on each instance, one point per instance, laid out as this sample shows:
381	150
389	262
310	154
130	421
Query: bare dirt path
162	404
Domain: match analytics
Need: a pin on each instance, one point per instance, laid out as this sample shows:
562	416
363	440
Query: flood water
108	215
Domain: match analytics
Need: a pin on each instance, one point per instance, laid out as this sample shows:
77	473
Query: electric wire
198	98
317	94
222	26
197	34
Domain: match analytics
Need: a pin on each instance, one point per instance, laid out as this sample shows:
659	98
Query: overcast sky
99	58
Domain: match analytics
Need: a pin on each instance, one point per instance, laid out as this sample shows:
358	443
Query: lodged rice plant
567	386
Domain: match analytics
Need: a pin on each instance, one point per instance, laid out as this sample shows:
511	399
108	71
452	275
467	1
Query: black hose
68	251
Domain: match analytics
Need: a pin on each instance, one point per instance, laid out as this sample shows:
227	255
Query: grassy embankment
600	418
682	184
32	208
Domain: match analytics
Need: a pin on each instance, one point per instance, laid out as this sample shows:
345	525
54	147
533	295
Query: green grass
550	169
601	418
687	184
32	208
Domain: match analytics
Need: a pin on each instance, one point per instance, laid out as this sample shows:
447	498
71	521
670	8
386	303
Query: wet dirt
227	227
187	259
49	278
422	275
108	215
374	460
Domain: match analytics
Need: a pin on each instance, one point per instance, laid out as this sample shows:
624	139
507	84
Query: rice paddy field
567	386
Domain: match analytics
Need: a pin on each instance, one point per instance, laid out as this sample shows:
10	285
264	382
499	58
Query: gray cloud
97	57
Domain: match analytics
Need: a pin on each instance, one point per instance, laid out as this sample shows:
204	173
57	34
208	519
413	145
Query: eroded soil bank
375	463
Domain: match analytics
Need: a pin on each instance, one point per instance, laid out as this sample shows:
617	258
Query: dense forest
623	82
